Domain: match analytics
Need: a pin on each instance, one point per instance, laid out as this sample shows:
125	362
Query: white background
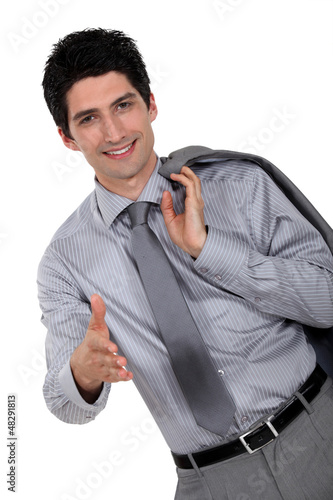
223	72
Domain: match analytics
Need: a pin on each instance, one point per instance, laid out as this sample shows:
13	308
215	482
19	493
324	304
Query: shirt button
203	270
257	300
221	372
218	277
244	419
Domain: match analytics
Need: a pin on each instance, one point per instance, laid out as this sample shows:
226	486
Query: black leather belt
261	435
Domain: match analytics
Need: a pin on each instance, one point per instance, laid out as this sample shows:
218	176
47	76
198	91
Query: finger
194	178
98	311
167	208
186	172
117	373
119	361
189	180
124	375
98	341
110	364
113	360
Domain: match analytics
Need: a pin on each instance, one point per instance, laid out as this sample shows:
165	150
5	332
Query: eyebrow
85	112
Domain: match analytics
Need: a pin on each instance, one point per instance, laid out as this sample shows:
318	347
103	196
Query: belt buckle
269	424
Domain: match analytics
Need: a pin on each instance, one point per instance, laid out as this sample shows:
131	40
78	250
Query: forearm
290	288
293	289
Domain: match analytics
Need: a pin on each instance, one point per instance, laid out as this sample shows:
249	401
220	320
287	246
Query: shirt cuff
222	257
70	390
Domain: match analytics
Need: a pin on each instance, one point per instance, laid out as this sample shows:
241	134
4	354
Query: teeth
121	151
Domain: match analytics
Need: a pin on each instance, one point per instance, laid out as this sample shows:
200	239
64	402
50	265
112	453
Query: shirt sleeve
65	313
283	267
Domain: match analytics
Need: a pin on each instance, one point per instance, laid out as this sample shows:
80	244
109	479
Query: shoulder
77	220
233	170
51	265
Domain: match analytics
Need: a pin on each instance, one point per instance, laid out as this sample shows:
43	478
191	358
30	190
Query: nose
113	130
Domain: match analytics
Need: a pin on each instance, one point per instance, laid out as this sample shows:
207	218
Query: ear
69	143
152	108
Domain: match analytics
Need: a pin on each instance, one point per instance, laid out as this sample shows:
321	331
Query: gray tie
199	379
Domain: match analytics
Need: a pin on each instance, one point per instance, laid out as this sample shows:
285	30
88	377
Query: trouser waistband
262	434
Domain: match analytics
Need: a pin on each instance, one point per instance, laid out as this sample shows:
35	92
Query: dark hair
91	52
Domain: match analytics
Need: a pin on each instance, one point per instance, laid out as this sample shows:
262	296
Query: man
252	270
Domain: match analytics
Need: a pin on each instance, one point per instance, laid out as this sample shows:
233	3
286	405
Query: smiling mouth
119	151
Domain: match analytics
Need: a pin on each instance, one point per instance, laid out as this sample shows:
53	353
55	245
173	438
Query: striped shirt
263	272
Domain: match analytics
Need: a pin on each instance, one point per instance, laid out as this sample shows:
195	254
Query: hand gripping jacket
321	339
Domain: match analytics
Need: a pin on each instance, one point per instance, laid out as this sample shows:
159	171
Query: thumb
167	208
98	311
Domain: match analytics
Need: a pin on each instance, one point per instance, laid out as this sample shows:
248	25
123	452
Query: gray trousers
297	465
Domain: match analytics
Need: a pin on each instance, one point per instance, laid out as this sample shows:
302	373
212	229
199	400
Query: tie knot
138	212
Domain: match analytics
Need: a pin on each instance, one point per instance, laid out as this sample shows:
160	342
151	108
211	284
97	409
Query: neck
130	187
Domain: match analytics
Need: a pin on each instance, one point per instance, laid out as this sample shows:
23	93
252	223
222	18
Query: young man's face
111	125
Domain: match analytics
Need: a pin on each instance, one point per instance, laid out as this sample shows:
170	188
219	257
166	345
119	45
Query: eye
87	119
124	105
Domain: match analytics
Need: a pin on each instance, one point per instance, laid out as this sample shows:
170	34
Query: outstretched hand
96	360
186	230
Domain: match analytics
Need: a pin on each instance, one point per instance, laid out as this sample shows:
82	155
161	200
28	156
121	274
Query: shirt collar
112	204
